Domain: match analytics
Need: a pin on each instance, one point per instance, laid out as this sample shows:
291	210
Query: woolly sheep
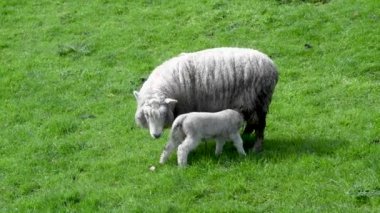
189	129
209	81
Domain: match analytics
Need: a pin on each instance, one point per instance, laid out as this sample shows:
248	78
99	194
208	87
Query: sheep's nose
157	135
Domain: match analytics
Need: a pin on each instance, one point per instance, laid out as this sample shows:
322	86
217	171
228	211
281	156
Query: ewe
209	81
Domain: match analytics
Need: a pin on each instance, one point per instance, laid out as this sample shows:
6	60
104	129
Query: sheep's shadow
274	149
282	148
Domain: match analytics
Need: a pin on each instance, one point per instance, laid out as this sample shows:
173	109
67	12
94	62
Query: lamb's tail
176	137
177	133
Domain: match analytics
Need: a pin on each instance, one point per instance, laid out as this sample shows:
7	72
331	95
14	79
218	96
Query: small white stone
152	168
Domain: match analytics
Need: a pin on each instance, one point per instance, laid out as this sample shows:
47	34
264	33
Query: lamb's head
155	113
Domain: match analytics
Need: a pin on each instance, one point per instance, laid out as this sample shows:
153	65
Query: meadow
69	143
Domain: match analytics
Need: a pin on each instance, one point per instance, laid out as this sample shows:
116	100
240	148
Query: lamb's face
155	115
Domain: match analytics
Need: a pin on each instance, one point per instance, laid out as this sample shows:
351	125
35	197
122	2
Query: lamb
210	80
189	129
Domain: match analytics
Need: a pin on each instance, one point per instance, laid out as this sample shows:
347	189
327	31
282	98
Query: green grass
68	142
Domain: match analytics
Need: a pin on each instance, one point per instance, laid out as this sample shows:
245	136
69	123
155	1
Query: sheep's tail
177	133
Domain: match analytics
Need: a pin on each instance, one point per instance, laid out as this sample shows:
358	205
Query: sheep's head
155	114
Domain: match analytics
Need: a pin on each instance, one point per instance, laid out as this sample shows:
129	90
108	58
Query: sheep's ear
170	102
136	94
140	119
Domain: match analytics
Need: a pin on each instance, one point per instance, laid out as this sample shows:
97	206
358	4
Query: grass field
68	141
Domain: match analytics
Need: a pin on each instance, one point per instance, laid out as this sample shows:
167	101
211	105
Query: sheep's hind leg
259	131
247	135
238	143
187	146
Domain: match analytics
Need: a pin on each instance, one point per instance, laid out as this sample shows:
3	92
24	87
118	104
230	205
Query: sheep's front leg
170	146
219	146
238	143
187	146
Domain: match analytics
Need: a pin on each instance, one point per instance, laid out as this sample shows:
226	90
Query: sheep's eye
145	115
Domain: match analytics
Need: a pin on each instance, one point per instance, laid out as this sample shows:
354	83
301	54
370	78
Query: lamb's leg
219	146
176	137
238	143
170	146
187	145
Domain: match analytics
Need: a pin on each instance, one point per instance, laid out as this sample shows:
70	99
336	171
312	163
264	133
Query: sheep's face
155	114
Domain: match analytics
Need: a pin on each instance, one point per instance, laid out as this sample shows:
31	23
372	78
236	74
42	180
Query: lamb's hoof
162	160
182	164
242	153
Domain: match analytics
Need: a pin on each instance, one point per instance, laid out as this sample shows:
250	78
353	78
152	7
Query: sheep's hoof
257	149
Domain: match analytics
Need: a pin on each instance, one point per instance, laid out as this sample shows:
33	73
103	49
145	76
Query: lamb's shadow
274	149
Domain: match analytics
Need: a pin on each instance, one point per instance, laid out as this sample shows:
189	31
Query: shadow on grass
283	148
275	149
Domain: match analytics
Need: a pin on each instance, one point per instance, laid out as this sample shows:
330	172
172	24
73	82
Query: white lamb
189	129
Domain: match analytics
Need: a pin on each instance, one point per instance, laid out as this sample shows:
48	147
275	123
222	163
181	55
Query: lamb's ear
136	94
171	102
